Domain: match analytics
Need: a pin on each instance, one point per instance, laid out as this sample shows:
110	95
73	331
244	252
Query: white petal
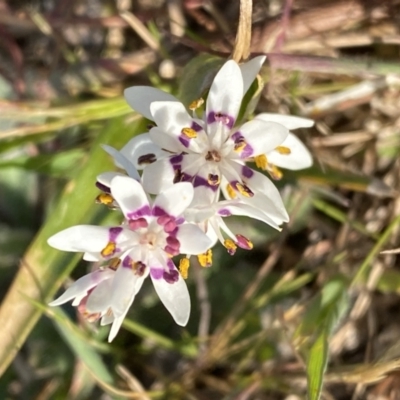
171	117
116	326
192	240
85	238
99	299
175	199
175	297
141	150
265	191
158	176
92	257
83	285
239	208
130	196
106	177
225	96
122	162
261	137
299	157
249	71
288	121
165	141
123	290
141	97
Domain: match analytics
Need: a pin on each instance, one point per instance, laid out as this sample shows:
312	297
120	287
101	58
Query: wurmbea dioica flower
212	151
150	235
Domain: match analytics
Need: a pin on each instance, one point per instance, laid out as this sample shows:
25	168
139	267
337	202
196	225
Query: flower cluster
194	173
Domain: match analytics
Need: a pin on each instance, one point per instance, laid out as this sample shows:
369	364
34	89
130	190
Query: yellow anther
230	245
184	265
213	180
91	317
205	259
231	191
244	190
240	145
109	250
275	172
189	133
283	150
104	198
114	263
261	161
196	104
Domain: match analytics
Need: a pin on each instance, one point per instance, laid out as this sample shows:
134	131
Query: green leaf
316	365
43	269
61	164
197	77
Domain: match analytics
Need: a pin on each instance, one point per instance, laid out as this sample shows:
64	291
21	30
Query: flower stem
241	49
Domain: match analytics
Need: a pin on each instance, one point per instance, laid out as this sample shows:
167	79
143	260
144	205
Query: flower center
213	155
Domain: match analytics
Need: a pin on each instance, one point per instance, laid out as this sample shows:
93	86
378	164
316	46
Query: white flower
211	151
151	234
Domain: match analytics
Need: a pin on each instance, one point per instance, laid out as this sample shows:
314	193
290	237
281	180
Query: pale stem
241	49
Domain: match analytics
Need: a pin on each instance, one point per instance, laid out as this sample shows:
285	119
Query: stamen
283	150
219	117
184	265
230	246
231	191
240	144
213	180
104	198
196	104
205	259
189	133
244	190
275	172
109	250
114	263
139	268
179	176
261	161
147	159
243	242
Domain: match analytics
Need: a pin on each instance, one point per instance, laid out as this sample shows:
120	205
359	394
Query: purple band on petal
220	117
180	220
103	188
224	212
171	265
199	181
195	126
141	212
247	172
158	211
113	233
171	250
171	276
184	140
172	241
138	223
127	262
156	273
247	151
176	159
